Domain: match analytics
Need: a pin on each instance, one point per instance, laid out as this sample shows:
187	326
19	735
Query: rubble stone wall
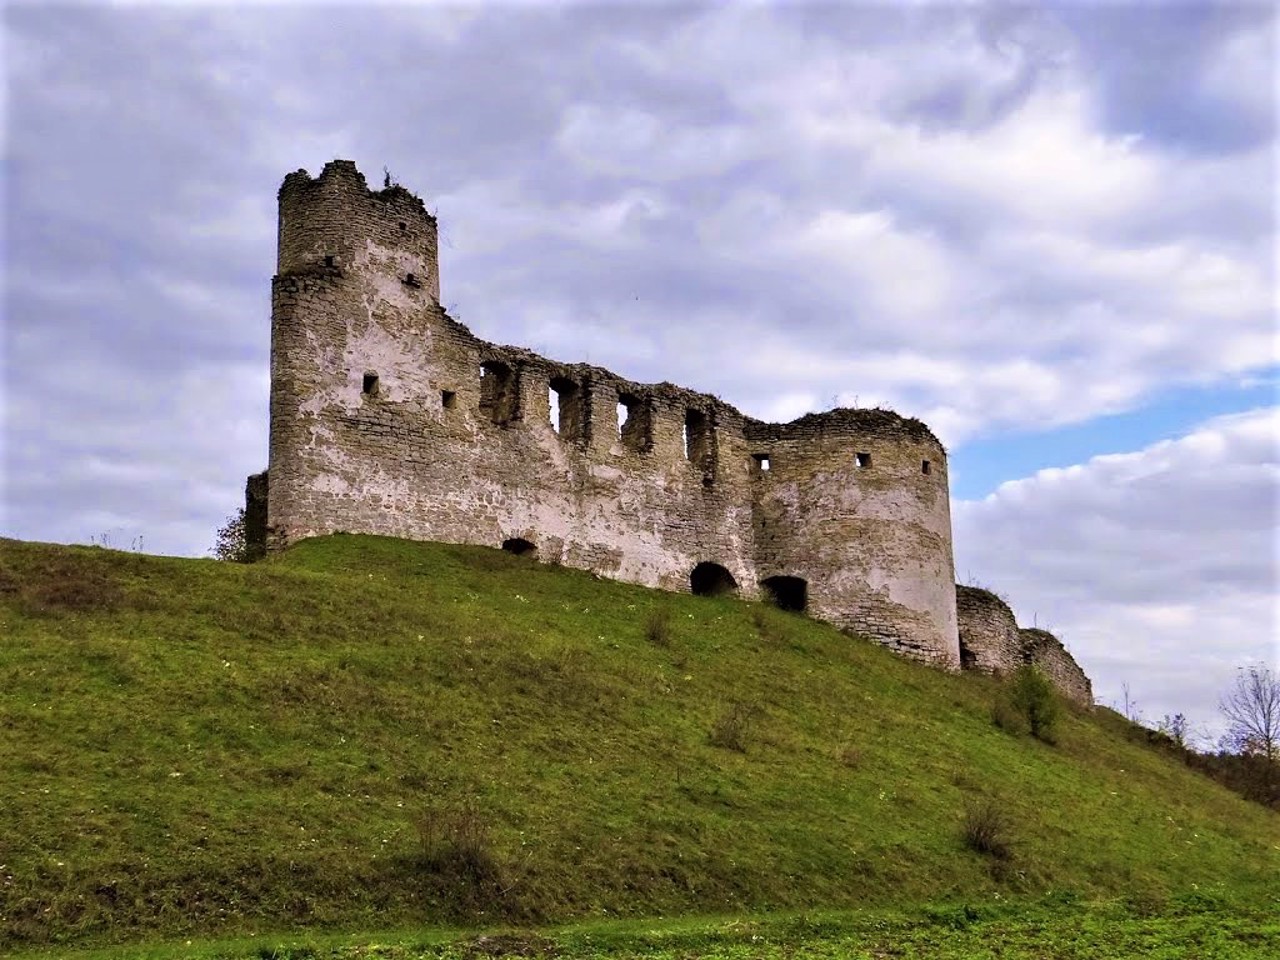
1044	650
989	640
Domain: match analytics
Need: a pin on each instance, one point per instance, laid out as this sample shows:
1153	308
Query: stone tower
856	503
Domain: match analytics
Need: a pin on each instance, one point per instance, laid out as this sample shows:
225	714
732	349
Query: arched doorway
787	593
520	547
712	580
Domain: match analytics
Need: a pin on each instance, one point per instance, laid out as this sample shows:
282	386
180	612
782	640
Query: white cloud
897	273
630	142
1157	567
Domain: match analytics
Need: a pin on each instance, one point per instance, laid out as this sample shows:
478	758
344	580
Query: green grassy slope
191	746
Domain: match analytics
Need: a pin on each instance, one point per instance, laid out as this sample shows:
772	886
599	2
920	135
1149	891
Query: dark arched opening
712	580
787	593
520	547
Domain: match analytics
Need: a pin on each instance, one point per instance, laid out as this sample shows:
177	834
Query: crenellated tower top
335	221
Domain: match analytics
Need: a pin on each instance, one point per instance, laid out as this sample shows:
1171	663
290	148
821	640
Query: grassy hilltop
367	733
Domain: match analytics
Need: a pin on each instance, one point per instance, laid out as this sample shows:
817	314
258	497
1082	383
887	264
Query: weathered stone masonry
992	642
390	417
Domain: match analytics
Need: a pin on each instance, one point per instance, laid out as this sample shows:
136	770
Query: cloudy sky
1050	232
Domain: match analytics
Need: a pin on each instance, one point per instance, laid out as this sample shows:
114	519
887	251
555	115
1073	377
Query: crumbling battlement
991	642
390	417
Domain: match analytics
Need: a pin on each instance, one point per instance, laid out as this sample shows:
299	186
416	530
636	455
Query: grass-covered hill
366	733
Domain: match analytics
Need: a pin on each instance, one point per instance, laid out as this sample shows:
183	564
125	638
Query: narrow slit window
328	260
448	399
862	461
925	468
369	385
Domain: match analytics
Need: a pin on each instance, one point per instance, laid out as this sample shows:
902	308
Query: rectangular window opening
924	467
499	392
369	386
635	423
448	399
567	408
761	462
699	443
862	461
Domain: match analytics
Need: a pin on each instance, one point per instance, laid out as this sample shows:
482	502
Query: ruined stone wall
992	642
989	638
1045	651
389	417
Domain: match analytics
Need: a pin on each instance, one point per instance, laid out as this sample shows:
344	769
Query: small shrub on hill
732	729
457	855
657	629
986	830
1028	703
232	541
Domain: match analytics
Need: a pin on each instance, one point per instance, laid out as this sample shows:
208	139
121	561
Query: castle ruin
390	417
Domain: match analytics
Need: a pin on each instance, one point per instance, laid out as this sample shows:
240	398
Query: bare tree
1252	709
1176	728
1131	711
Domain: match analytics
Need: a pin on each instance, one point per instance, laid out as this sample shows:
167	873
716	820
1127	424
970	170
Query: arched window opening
565	399
712	580
499	396
520	547
787	593
635	423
